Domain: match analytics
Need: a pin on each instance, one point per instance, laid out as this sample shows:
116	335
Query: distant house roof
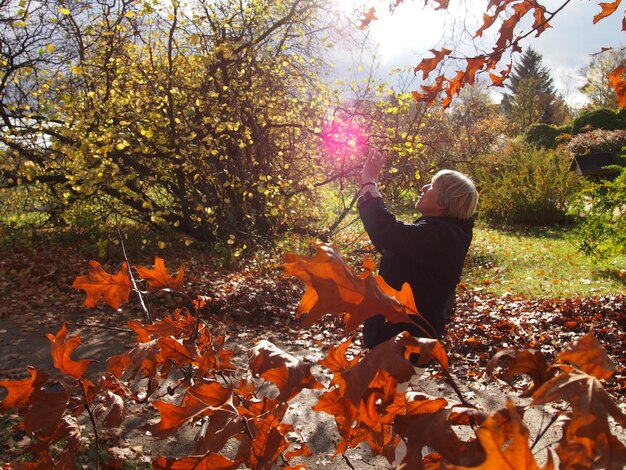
593	164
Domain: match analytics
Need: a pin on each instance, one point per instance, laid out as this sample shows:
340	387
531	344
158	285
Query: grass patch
539	263
534	262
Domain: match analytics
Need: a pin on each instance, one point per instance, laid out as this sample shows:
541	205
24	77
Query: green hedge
602	118
524	184
545	135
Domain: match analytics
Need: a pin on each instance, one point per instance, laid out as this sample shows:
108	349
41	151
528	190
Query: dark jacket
428	254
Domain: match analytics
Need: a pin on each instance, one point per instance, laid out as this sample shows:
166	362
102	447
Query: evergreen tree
532	97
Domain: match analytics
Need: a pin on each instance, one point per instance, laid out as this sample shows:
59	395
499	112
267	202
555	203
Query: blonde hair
457	193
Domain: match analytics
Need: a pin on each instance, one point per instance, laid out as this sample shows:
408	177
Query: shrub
603	204
544	135
602	118
597	141
526	185
621	118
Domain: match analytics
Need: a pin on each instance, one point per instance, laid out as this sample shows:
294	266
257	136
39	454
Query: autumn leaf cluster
185	376
506	18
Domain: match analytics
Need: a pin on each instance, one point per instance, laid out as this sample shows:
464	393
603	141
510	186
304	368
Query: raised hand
373	165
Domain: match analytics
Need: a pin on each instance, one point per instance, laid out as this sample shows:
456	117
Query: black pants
376	330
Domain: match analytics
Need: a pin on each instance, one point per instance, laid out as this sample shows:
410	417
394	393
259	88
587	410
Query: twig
345	457
457	390
548	426
347	460
132	278
342	216
93	423
92	325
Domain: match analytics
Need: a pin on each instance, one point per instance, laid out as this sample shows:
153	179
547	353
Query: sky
403	38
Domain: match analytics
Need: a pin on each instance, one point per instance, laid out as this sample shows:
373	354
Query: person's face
427	204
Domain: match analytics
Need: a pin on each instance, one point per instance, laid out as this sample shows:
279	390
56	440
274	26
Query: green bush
621	118
544	135
602	118
526	185
603	204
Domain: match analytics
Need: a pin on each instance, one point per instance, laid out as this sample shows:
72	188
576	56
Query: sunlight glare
342	138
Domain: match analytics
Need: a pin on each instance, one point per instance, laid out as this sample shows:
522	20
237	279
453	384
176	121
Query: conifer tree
532	96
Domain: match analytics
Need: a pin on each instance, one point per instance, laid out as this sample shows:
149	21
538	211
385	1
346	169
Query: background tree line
210	119
206	117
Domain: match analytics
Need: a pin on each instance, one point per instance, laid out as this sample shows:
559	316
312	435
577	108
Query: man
428	254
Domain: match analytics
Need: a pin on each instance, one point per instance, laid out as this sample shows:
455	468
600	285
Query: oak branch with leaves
227	408
506	17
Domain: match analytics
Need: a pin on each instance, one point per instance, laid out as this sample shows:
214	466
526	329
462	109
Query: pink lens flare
343	138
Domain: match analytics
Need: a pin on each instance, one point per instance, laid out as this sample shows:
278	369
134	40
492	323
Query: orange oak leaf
428	422
507	28
111	410
415	403
177	351
531	363
213	393
498	80
370	413
143	357
299	448
335	403
173	416
159	279
207	344
429	92
285	371
296	445
256	408
454	87
382	395
336	360
504	439
488	21
474	64
99	285
19	391
392	356
617	82
368	17
223	425
201	355
589	356
60	349
382	441
357	383
333	287
68	431
48	403
427	65
587	436
583	392
608	8
201	462
587	443
266	439
269	441
178	325
541	23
